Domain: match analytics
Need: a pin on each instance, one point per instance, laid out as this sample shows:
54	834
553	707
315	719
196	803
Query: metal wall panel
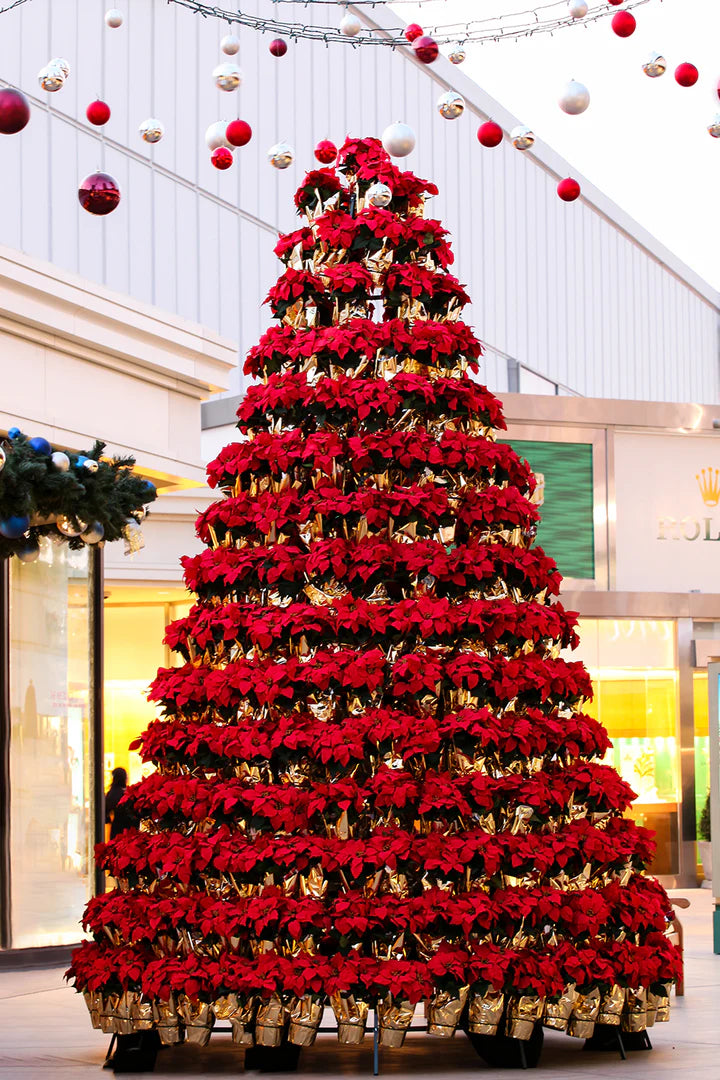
567	291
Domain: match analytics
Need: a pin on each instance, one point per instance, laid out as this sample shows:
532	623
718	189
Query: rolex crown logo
709	484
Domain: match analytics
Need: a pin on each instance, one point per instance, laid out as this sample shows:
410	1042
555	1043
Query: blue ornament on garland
29	552
150	487
40	445
13	528
14	433
80	461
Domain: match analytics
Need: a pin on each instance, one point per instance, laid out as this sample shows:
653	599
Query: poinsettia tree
375	782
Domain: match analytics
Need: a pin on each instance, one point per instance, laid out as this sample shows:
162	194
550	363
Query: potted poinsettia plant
704	844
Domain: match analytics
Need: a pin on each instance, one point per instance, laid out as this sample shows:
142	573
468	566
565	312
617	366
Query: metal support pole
96	673
5	730
714	740
376	1044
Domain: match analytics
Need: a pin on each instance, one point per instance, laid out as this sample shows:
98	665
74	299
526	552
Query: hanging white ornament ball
3	459
714	127
51	77
227	76
67	528
216	136
577	9
451	105
281	155
60	460
379	194
655	65
113	18
230	45
398	139
522	137
152	130
91	465
94	534
350	26
457	55
574	98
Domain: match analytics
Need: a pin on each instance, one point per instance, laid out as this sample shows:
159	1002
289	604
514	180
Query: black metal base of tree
611	1039
136	1053
283	1058
502	1052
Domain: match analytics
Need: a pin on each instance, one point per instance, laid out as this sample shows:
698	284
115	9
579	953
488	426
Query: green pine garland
32	486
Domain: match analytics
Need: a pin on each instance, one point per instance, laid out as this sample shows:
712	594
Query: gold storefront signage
696	528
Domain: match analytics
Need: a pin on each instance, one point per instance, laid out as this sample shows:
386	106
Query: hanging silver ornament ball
458	55
522	137
91	465
140	514
574	98
230	45
3	459
113	18
655	65
281	155
451	105
67	528
379	194
60	460
714	127
216	136
152	130
350	26
398	139
51	78
94	534
227	76
577	9
62	64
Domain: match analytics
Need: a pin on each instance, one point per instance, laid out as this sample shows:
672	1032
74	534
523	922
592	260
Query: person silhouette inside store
117	814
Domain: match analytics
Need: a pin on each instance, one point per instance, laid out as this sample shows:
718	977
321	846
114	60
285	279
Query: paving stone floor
45	1033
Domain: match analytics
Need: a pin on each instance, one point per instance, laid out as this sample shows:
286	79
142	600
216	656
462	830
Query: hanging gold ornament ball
575	98
91	465
451	105
714	127
227	76
51	77
113	18
3	459
230	45
152	130
655	65
457	55
522	137
379	194
281	155
65	526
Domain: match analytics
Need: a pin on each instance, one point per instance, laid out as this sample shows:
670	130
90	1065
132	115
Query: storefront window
50	821
634	671
702	741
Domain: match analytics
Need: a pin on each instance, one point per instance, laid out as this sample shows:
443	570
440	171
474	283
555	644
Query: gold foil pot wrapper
661	1004
523	1014
395	1019
635	1014
558	1011
239	1014
166	1019
270	1022
141	1013
115	1014
485	1012
585	1014
611	1006
444	1011
197	1016
94	1002
351	1014
305	1016
313	883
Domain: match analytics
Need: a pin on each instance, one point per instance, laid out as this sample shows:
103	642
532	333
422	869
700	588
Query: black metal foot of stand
267	1059
609	1039
502	1052
134	1053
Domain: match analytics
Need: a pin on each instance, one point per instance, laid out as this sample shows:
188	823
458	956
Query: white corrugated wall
564	290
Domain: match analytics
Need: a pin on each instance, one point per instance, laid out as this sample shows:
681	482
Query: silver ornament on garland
113	18
398	139
577	9
60	460
379	195
65	525
152	130
51	78
457	56
230	45
91	465
94	534
522	137
451	105
655	65
281	155
29	552
574	98
714	127
3	459
227	76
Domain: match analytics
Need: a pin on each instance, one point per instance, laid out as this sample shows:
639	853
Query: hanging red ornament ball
99	193
615	3
14	111
278	46
686	74
568	189
238	133
326	152
222	157
98	113
413	31
490	133
426	49
624	24
718	89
